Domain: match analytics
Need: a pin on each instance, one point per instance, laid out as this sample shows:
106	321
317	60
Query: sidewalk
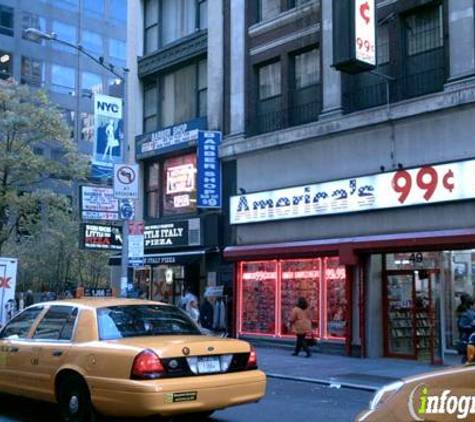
340	371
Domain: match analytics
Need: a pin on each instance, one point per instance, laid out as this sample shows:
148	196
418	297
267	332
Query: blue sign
126	210
209	170
136	262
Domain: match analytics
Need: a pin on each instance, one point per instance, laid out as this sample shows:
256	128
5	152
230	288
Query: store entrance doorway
410	314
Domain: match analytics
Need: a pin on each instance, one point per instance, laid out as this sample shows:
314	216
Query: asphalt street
285	401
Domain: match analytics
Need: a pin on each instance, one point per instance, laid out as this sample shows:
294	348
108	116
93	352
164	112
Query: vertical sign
209	170
126	181
365	32
109	135
8	269
136	243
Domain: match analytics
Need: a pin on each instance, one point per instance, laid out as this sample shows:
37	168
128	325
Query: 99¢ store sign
419	186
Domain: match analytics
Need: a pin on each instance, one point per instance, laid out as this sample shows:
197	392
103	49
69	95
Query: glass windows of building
32	71
167	21
269	101
63	79
150	108
92	42
117	51
6	64
31	20
118	10
269	9
180	99
305	90
6	20
72	5
171	186
202	88
91	83
94	8
269	290
64	32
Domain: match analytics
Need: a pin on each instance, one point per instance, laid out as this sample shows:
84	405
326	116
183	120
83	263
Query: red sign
136	227
5	282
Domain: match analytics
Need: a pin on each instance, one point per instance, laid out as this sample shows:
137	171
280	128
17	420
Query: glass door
400	339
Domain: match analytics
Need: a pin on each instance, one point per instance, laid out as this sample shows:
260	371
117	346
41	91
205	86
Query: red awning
349	247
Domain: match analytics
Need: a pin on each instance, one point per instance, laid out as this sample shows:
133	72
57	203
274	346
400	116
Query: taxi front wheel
74	401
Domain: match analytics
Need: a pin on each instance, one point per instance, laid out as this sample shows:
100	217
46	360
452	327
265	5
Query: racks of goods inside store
400	330
426	340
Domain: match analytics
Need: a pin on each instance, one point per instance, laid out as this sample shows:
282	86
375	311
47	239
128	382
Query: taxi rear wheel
74	401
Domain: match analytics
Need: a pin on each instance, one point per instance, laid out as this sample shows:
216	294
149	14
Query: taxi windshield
124	321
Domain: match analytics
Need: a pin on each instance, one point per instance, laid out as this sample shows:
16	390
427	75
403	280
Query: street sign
136	243
126	181
126	209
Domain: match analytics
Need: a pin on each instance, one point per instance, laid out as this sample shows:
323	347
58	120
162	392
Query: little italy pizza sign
418	186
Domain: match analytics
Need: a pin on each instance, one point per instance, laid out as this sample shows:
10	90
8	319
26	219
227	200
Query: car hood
172	346
436	377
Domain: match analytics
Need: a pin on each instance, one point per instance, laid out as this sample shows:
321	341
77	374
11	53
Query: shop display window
337	300
179	192
300	278
258	297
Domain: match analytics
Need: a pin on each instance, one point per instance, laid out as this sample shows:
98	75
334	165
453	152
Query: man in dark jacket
466	323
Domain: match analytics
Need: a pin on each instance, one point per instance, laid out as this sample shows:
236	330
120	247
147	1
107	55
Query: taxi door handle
57	353
14	349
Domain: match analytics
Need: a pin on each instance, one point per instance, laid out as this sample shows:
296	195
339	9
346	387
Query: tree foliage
38	224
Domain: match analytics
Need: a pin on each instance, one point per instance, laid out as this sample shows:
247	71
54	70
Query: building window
171	186
64	32
63	79
6	64
179	190
150	108
117	51
72	5
31	20
32	71
181	93
92	42
6	20
269	101
94	8
152	191
118	10
305	93
269	9
91	83
167	21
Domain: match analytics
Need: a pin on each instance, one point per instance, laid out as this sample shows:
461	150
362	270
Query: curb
330	383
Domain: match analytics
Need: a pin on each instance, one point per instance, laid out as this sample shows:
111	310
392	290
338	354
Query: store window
117	51
32	71
300	278
6	20
183	94
91	82
64	32
118	10
336	299
31	20
179	178
258	297
63	79
6	64
269	290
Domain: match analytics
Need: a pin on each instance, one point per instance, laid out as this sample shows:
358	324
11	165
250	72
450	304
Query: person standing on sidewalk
301	325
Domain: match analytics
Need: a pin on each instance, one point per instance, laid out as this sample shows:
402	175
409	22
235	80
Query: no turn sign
126	181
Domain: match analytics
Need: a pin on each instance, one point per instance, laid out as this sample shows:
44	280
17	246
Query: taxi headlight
384	393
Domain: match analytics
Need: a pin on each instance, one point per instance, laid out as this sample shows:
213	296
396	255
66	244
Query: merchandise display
337	303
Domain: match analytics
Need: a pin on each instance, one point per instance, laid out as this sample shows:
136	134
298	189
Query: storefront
393	293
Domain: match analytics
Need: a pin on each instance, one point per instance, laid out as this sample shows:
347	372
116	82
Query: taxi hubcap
73	405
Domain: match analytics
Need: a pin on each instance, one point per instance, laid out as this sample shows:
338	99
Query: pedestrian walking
301	325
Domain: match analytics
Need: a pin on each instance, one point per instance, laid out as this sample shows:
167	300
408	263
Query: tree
28	180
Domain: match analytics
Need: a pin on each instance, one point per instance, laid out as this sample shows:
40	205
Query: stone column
331	78
215	64
461	39
237	66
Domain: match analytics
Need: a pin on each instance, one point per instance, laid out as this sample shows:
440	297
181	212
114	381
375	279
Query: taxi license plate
208	365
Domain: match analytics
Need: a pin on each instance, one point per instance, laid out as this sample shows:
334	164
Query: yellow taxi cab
124	357
443	395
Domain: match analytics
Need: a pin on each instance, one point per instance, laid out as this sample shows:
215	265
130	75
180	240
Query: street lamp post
34	35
